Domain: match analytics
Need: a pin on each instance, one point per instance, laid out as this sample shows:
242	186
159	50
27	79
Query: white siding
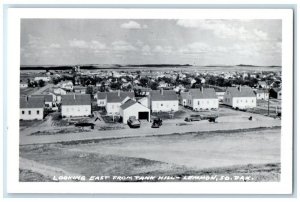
113	108
205	104
32	113
134	111
164	106
76	110
144	101
244	102
101	102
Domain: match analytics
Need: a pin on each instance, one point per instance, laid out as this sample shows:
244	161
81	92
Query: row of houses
125	104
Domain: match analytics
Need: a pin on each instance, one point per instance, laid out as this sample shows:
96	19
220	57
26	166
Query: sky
150	41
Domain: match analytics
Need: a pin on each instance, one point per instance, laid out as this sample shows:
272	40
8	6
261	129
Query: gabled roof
116	97
207	93
184	95
101	95
276	89
165	95
244	92
76	99
32	102
47	98
127	104
262	91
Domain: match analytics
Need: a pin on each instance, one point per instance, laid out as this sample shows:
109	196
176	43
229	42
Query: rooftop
32	102
76	99
163	95
243	92
207	93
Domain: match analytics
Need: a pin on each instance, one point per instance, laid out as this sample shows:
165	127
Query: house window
113	106
23	112
29	112
161	104
246	101
67	109
252	100
37	111
237	101
198	102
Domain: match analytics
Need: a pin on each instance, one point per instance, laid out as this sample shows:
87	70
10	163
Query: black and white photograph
112	101
150	100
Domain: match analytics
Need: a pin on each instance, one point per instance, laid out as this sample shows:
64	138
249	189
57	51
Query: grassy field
253	152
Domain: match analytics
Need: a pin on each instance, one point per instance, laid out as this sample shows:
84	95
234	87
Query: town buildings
241	97
32	108
202	99
76	105
163	101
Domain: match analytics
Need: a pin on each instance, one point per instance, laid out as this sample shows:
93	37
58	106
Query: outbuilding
133	108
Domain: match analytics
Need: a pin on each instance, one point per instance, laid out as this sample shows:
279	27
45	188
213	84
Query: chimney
74	96
119	93
162	91
240	88
201	89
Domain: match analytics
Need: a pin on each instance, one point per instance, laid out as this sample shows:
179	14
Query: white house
76	105
101	99
144	101
262	94
241	97
79	89
133	108
31	108
163	101
115	99
67	85
183	98
204	99
23	85
59	91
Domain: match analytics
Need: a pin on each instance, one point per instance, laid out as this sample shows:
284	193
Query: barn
132	108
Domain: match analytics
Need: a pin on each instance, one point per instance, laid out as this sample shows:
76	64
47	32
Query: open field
255	153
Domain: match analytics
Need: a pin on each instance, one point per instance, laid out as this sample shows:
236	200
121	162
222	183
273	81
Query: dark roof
208	93
118	97
157	95
276	89
184	95
262	91
101	95
127	104
32	102
76	99
244	92
47	98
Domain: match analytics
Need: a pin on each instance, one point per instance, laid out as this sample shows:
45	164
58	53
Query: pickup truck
133	122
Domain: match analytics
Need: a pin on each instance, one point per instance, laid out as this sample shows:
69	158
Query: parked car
133	122
157	122
193	117
85	124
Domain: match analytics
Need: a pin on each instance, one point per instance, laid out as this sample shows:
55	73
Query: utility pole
269	102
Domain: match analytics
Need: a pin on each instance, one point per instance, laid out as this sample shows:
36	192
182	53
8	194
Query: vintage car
157	122
133	122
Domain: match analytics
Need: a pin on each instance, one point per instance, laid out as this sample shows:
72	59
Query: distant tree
89	90
41	83
144	81
29	83
116	85
154	85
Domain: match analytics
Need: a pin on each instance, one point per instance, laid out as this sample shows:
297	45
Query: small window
246	101
37	111
252	100
198	102
161	104
29	112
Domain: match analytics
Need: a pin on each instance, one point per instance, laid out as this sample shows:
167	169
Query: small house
32	108
133	108
240	98
202	99
163	101
74	105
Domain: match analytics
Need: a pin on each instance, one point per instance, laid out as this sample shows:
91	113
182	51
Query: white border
13	66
